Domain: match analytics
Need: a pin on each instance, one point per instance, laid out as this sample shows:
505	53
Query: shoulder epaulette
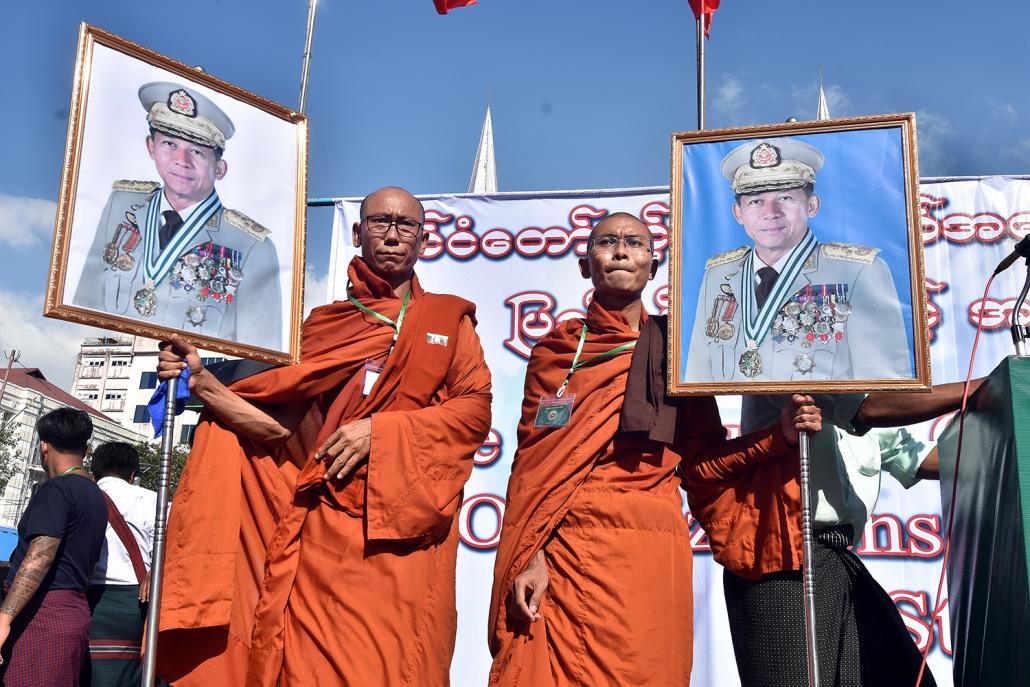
728	256
135	186
849	251
241	221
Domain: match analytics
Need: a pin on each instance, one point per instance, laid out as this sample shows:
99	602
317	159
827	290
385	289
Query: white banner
515	255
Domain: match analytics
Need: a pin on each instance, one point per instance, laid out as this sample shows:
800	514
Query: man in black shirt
44	617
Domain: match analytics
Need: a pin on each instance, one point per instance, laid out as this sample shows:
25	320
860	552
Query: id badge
371	370
554	411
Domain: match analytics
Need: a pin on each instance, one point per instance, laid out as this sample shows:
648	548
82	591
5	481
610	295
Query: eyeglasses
608	242
379	225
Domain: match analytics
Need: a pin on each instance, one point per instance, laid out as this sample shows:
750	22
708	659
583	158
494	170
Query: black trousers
861	638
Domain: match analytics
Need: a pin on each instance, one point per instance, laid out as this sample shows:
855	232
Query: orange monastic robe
274	577
606	510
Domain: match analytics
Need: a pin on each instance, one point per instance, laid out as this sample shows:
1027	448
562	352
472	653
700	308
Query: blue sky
585	94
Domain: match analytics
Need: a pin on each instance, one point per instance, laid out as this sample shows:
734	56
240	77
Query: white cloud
934	131
25	221
1005	111
50	345
729	101
1022	150
315	290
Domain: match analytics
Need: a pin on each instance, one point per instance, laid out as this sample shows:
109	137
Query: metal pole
701	72
160	529
11	360
1019	330
808	572
307	57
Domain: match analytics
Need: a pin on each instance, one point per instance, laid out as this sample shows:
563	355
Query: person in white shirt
120	587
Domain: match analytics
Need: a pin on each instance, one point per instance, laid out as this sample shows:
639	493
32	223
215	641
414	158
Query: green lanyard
70	470
396	325
576	364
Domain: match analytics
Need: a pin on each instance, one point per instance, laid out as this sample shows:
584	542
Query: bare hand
528	590
174	356
144	589
346	449
800	414
5	630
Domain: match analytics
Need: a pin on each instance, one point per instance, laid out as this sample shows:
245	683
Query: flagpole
305	69
701	71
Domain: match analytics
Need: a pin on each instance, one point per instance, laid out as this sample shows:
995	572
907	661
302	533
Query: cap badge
765	155
181	102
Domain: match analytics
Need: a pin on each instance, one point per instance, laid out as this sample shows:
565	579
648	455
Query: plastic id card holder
554	411
371	371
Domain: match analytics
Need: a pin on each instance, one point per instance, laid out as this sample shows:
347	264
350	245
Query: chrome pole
808	564
160	530
307	57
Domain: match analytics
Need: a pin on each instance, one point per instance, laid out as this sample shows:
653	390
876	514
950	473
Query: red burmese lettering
584	216
661	299
435	220
920	630
490	451
556	241
655	215
529	242
1019	224
943	623
497	243
957	228
698	538
930	225
462	244
989	227
924	539
466	530
531	319
996	314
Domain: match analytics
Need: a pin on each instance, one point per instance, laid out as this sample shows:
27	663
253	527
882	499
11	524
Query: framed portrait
182	206
796	262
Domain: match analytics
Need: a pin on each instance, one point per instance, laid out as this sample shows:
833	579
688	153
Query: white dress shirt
139	507
846	463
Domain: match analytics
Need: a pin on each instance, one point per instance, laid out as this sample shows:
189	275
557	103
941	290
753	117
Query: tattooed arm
34	567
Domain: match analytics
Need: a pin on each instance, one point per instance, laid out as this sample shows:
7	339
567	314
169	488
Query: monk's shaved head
619	219
395	193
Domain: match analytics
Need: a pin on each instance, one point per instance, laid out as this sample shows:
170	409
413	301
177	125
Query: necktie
768	276
171	224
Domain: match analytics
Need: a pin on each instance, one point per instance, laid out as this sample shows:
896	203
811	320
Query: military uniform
840	319
217	276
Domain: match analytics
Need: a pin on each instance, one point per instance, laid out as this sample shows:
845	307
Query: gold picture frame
706	295
286	134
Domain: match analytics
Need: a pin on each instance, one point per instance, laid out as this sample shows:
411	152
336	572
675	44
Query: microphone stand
1020	332
808	563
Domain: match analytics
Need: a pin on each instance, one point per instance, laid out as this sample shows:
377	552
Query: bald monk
313	537
592	580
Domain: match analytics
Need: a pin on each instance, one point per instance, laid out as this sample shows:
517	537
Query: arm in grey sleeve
899	452
699	366
90	290
879	346
259	299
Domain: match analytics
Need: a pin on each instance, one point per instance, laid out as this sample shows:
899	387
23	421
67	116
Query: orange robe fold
273	576
605	509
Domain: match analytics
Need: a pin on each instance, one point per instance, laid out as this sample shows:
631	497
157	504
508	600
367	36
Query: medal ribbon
755	328
158	263
576	364
379	316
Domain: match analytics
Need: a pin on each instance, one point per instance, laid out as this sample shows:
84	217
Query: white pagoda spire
823	110
484	171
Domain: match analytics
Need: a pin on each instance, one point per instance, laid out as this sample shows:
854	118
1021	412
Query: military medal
125	262
750	363
804	363
196	315
145	301
725	306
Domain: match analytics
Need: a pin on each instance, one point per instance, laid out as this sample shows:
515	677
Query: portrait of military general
796	255
185	211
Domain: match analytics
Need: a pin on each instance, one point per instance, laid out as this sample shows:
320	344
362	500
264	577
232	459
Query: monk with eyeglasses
313	539
592	580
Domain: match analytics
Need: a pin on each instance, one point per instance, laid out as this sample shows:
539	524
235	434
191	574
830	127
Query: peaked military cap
181	111
771	165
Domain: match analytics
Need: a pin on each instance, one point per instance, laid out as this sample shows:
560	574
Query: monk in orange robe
313	538
592	580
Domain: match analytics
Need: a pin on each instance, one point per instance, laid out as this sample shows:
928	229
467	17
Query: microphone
1022	250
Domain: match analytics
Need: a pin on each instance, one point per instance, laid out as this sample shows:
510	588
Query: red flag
705	7
442	6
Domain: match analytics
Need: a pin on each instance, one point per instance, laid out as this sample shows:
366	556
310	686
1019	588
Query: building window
212	361
119	363
94	363
148	380
141	416
90	396
186	435
114	395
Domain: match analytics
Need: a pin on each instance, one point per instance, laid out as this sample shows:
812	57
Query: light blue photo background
862	188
